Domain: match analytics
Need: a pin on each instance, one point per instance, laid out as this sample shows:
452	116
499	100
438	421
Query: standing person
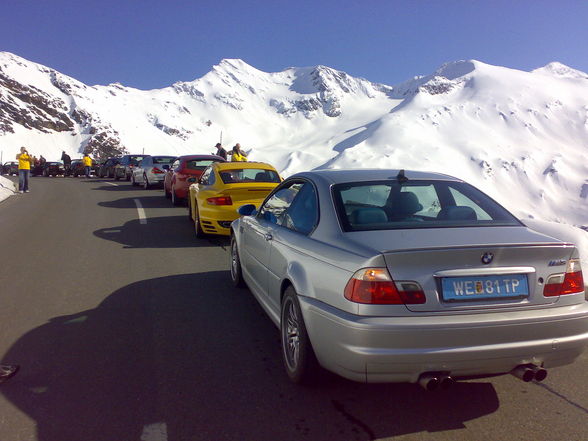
24	169
42	161
220	151
66	159
7	371
87	164
237	154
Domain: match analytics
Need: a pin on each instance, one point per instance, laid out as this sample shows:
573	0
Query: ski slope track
521	137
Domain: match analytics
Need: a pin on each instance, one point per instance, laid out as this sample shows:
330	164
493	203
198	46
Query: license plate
485	287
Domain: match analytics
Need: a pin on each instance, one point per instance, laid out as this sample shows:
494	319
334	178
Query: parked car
224	186
37	168
386	276
151	170
106	169
124	168
184	171
53	169
77	168
10	168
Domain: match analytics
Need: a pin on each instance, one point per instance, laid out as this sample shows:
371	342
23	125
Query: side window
275	207
205	176
302	215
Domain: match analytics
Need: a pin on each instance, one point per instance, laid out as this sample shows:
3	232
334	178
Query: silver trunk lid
428	256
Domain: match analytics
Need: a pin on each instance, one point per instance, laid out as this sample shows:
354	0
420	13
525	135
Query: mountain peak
558	69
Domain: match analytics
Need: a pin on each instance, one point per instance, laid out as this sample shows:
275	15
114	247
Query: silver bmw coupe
393	276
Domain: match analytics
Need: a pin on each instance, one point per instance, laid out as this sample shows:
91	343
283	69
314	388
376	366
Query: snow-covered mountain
520	136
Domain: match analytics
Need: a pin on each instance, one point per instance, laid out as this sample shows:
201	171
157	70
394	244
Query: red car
184	171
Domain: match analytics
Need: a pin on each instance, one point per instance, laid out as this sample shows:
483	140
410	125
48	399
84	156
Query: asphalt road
129	329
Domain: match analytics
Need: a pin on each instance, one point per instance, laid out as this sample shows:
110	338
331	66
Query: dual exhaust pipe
431	381
529	372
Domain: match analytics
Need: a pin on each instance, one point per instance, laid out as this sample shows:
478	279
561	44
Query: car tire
297	354
145	182
189	205
128	176
133	182
200	234
176	201
167	193
236	272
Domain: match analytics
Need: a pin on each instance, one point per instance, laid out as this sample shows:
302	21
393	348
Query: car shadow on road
190	357
159	232
147	201
119	187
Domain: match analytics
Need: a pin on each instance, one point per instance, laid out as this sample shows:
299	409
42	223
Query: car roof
240	165
202	157
336	176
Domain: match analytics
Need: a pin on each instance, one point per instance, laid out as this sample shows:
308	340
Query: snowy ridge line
519	136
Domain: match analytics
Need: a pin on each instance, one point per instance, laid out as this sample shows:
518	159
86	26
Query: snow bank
7	188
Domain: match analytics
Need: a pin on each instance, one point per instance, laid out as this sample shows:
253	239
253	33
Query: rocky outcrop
31	108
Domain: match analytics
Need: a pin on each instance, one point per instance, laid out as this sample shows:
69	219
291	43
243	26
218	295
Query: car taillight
375	286
570	282
156	171
220	200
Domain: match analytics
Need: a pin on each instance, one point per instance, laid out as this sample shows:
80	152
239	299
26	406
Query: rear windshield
387	205
163	159
134	160
235	176
198	164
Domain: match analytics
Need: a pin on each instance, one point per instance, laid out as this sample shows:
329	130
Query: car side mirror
191	180
247	210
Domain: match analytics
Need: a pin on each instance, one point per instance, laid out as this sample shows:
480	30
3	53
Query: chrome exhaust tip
429	382
446	382
540	374
524	372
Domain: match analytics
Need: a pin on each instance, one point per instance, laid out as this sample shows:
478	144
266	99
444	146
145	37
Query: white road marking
154	432
112	183
141	211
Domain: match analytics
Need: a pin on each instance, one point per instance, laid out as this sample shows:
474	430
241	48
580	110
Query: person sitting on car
237	154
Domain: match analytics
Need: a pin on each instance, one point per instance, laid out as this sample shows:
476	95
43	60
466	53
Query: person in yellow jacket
24	169
237	155
87	161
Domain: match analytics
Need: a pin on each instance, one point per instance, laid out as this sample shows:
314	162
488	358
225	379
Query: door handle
268	237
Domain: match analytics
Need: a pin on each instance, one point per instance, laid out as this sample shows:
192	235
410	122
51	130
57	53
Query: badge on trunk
487	258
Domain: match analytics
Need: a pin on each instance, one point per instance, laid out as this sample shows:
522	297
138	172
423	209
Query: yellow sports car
225	186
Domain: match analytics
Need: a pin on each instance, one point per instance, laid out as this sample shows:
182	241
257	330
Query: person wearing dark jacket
66	159
220	151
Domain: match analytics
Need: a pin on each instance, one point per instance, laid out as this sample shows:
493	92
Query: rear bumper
400	349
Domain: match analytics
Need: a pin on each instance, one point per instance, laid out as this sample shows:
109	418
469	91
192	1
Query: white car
151	170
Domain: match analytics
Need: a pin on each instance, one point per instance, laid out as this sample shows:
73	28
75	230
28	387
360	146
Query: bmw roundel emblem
487	258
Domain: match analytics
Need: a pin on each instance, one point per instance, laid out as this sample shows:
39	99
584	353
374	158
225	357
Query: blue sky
152	44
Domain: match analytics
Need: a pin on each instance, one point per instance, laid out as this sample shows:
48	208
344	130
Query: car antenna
401	177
